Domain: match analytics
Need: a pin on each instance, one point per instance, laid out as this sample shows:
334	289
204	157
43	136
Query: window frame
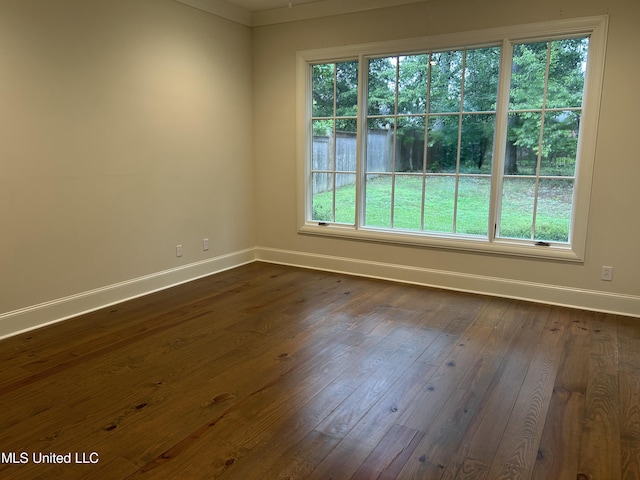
574	250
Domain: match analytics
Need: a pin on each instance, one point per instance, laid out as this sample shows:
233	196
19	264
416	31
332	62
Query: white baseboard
536	292
36	316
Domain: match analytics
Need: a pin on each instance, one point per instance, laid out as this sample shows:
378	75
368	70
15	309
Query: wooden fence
379	157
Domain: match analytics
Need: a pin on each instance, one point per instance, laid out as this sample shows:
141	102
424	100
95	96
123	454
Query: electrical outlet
607	274
205	244
178	250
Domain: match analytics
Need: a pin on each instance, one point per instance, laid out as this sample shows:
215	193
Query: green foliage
335	89
321	211
567	72
323	128
347	89
481	79
446	82
381	87
561	63
413	73
323	89
431	84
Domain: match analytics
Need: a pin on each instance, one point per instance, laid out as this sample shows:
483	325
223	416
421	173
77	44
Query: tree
334	94
481	71
560	64
402	90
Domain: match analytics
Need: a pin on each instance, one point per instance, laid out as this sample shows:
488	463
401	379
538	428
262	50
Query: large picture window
486	144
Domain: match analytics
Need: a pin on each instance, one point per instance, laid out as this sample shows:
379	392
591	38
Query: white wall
614	229
125	130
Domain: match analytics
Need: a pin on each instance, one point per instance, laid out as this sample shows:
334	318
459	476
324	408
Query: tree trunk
510	165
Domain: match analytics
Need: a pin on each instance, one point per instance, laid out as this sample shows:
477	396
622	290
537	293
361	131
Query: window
429	140
543	124
334	149
481	141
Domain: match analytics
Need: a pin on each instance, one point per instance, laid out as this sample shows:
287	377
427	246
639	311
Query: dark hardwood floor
271	372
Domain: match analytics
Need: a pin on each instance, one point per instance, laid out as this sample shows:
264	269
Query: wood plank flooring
273	372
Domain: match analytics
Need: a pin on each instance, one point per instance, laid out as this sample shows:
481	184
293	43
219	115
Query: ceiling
259	5
265	12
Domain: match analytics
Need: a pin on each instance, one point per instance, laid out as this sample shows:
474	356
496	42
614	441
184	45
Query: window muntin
430	220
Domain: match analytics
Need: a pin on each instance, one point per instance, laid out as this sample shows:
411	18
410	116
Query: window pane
346	142
553	216
516	217
322	145
473	205
323	91
323	207
523	140
380	133
345	211
410	144
442	146
322	200
439	196
412	86
560	143
528	75
407	207
382	86
476	144
446	81
567	72
347	89
481	79
378	201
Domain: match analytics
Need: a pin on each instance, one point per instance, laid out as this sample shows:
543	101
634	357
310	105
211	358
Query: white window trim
596	27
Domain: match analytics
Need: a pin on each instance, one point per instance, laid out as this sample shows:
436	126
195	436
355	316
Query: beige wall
125	131
614	229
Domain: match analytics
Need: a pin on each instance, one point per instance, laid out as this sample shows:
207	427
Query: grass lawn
553	211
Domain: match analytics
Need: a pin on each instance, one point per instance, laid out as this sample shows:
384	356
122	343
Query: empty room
319	239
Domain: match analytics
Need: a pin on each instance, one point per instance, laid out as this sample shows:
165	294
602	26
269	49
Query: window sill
515	248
